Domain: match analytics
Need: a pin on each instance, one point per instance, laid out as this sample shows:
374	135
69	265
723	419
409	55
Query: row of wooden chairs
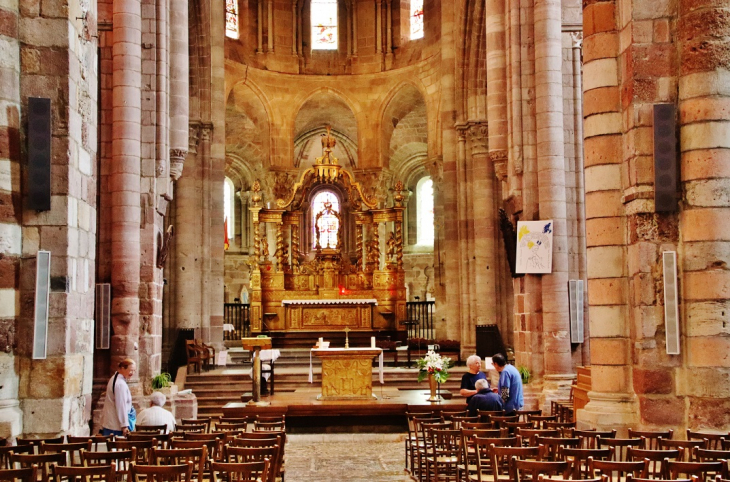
199	355
184	472
203	452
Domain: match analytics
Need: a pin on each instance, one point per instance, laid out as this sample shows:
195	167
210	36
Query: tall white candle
372	342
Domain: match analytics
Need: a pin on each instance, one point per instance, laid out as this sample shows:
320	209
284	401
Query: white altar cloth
380	362
351	301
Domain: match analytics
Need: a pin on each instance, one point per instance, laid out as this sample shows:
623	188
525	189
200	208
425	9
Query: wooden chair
620	446
243	472
142	447
29	474
204	420
120	459
411	438
231	427
631	478
198	457
543	478
513	426
278	441
99	473
16	449
705	455
578	458
268	426
551	446
480	426
231	419
486	415
558	425
467	454
589	438
499	420
529	435
539	420
96	440
528	470
194	356
526	414
446	416
424	445
442	458
207	353
686	445
161	438
651	438
483	452
615	471
713	440
656	459
255	454
36	442
213	446
457	421
162	473
72	450
501	457
704	471
151	428
42	461
194	427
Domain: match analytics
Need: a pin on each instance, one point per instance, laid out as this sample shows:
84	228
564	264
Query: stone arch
247	127
321	108
404	127
474	94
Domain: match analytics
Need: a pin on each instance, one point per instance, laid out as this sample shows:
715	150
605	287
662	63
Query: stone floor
345	457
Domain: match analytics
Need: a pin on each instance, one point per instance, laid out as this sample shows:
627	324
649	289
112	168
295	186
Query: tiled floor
345	457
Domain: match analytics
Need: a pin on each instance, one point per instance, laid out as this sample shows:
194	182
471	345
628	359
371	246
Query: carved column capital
461	128
177	159
206	131
499	159
435	167
577	38
478	133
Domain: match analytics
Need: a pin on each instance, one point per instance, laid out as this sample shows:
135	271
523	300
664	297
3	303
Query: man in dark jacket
484	399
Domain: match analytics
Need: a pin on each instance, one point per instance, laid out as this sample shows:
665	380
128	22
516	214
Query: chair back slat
99	473
198	456
29	474
243	472
162	473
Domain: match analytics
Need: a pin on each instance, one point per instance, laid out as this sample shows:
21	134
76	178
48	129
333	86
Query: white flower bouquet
434	364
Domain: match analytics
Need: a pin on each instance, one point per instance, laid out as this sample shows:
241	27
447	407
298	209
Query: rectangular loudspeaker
671	303
575	299
665	158
103	315
39	154
42	291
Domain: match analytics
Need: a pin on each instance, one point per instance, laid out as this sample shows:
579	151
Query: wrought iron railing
420	319
237	321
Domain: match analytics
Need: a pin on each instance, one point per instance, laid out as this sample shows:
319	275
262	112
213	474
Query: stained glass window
324	24
416	19
424	190
228	199
232	18
328	224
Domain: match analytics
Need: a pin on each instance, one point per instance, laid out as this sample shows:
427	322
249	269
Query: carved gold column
360	260
295	247
255	208
398	198
376	245
280	246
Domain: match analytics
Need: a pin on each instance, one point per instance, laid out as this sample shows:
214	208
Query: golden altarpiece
324	287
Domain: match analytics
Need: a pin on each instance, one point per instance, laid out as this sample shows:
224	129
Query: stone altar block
347	373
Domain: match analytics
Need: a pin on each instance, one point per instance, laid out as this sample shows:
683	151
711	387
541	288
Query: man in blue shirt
510	385
484	399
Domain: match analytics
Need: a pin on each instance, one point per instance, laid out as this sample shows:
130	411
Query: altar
326	254
347	373
329	314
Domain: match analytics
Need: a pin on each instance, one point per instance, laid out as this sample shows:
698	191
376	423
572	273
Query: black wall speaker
39	154
665	158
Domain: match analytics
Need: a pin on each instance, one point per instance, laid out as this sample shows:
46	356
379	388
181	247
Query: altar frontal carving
322	243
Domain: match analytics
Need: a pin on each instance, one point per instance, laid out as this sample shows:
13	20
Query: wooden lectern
255	345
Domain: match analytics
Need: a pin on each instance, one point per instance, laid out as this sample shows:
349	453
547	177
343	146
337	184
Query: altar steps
223	385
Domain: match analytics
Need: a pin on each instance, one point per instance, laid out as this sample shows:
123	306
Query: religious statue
373	253
328	143
265	248
390	253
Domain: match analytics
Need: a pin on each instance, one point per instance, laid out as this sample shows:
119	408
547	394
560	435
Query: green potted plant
525	374
163	380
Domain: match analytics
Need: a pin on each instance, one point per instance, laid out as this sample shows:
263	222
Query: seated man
484	399
469	379
155	414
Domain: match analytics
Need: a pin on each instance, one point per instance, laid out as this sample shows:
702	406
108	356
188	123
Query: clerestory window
324	24
424	190
232	18
416	19
325	219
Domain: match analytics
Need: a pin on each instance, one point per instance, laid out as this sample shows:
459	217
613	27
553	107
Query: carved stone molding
177	160
206	131
461	128
577	38
435	167
478	133
194	136
499	159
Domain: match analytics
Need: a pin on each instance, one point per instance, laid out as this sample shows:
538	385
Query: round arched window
324	220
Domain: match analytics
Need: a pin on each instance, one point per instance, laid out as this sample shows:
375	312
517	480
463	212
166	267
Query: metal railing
420	319
236	316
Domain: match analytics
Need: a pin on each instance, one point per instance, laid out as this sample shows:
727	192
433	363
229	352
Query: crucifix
347	339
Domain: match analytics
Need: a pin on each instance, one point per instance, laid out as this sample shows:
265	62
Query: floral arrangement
435	364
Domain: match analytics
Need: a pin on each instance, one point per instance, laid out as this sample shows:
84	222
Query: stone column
466	333
704	94
551	191
124	180
612	402
496	77
270	26
10	223
179	87
483	255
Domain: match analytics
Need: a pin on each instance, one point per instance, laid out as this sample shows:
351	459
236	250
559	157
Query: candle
372	342
321	340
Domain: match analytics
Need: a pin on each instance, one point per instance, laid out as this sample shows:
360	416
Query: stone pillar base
608	411
555	387
531	395
11	420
